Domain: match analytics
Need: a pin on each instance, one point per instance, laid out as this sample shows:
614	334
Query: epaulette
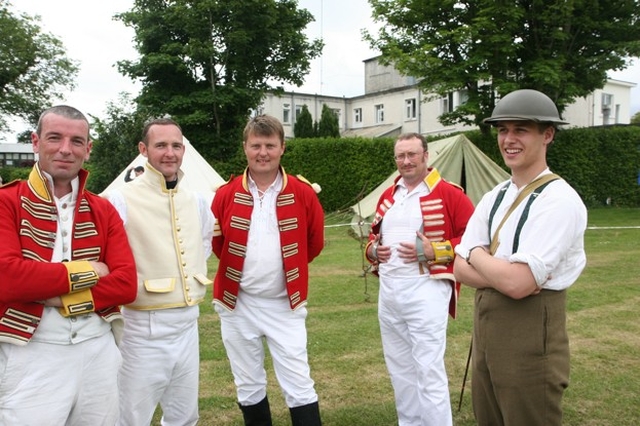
456	185
231	177
9	184
316	187
303	179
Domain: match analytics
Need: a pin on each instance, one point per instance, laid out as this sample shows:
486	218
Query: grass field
346	356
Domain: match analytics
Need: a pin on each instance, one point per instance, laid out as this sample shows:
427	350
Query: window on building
379	109
607	103
256	112
337	112
286	113
463	97
410	112
446	103
298	111
357	115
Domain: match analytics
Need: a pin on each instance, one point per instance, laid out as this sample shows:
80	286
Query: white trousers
160	364
48	384
285	333
413	315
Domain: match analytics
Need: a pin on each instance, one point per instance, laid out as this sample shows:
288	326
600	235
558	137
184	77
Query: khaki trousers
520	359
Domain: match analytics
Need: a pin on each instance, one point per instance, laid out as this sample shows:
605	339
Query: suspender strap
530	188
496	204
525	214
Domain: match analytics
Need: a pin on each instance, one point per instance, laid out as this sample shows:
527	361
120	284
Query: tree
328	126
115	142
208	63
304	124
33	68
487	48
636	118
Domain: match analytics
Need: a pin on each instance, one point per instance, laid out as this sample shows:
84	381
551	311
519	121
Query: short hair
63	111
165	121
544	126
411	135
263	125
540	125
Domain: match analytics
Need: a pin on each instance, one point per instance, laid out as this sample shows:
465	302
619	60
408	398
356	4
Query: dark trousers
520	359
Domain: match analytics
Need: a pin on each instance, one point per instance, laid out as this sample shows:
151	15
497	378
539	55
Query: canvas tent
199	176
457	159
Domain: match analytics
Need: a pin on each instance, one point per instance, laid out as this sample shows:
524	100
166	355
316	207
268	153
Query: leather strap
532	186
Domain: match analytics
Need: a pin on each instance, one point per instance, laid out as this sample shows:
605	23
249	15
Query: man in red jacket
65	267
269	226
418	222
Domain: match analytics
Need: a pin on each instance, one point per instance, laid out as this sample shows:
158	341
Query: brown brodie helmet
525	105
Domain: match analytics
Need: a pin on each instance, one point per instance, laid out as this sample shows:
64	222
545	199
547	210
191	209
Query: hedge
601	163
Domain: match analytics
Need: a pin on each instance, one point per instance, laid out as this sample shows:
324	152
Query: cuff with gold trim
81	275
77	303
443	252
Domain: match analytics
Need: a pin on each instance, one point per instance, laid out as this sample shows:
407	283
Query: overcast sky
97	42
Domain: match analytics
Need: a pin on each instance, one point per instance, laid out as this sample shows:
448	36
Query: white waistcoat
164	230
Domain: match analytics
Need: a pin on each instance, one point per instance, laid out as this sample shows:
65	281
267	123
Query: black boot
306	415
258	414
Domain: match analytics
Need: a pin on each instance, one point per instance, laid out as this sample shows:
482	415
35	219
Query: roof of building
379	131
21	148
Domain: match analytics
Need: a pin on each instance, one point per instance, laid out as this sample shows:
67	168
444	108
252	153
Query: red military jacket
446	211
28	224
301	224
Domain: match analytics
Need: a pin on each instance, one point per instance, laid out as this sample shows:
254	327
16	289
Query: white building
393	104
17	155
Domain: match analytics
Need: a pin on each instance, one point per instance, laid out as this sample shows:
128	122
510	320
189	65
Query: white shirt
551	240
399	225
263	273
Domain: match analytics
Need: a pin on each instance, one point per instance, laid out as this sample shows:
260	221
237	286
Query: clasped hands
406	251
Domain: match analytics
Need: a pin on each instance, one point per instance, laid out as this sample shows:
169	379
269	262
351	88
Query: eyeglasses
410	155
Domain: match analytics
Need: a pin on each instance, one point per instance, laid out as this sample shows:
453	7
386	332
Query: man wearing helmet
523	247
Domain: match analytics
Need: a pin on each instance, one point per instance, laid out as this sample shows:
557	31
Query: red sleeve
460	210
217	242
315	229
24	280
375	230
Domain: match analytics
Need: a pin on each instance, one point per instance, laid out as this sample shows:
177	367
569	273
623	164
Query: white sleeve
477	230
116	198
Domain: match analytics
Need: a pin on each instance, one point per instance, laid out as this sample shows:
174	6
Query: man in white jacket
169	230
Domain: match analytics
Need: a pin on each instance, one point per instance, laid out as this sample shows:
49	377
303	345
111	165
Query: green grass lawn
346	356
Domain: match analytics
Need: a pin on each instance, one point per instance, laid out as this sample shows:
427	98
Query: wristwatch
468	257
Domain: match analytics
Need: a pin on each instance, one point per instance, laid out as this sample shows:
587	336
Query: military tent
199	176
457	159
